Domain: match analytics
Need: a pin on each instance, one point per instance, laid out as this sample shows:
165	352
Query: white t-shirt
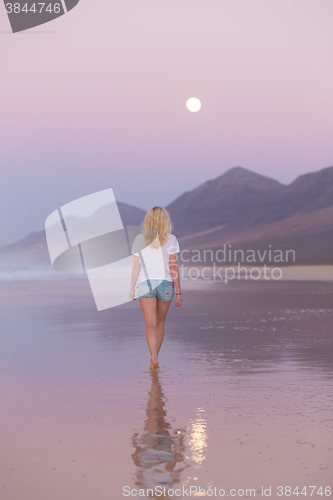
156	260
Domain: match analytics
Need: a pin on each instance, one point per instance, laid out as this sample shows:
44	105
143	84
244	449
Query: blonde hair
157	220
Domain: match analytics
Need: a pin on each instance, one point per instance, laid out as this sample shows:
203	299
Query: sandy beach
243	399
226	273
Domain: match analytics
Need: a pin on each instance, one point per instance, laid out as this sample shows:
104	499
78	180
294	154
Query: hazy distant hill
131	216
32	250
248	210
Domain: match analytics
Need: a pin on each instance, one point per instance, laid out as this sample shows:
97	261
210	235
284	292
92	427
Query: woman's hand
179	301
132	294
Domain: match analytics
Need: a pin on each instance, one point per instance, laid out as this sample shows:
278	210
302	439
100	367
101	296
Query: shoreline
79	285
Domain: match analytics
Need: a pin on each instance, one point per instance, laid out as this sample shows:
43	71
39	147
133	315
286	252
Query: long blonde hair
157	222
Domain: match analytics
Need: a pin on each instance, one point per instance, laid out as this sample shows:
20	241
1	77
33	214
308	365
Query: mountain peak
237	178
237	171
252	179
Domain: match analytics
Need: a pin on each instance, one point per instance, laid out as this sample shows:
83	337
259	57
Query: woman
155	276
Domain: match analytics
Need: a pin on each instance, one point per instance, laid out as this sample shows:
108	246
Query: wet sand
243	398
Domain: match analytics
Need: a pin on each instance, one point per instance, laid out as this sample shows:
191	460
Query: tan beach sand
207	273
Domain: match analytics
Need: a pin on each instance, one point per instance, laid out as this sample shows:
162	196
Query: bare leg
162	310
149	309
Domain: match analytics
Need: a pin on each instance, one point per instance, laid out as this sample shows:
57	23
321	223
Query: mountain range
251	211
239	208
242	199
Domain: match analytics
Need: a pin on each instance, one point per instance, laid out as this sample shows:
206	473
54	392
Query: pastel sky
96	99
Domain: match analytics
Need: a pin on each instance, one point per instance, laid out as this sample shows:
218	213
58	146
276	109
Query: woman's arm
174	271
135	274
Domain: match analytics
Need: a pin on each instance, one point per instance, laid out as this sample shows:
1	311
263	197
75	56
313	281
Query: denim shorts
162	290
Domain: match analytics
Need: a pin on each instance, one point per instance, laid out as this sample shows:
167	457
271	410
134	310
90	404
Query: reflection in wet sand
198	438
159	451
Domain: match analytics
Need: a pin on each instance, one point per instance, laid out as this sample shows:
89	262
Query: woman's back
155	261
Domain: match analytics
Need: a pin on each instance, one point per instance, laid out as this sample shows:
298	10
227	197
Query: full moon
193	104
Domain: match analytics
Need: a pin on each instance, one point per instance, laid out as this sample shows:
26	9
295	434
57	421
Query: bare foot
153	364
